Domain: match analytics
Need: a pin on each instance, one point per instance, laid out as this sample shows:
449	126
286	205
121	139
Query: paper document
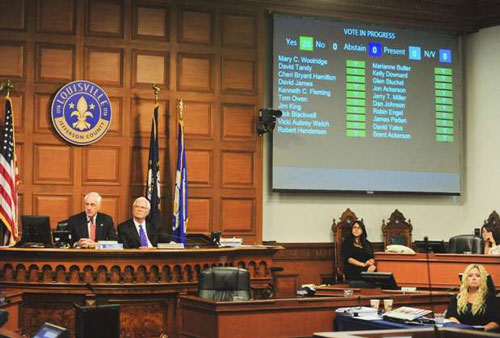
406	313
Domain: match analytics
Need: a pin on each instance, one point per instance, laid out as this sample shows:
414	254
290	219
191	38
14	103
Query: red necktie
92	229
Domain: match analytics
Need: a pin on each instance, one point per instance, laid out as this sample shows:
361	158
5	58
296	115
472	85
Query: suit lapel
151	233
85	227
98	227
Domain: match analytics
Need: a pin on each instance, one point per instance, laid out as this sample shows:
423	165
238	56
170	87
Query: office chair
224	284
465	243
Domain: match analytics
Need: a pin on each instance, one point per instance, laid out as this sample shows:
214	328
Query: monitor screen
384	280
97	321
51	331
366	107
430	246
36	229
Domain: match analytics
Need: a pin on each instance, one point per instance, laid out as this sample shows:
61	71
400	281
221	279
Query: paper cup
388	305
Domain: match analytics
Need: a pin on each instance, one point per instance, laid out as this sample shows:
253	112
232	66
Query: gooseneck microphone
90	287
426	243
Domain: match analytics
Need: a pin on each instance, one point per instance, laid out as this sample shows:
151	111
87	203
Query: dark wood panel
151	21
237	169
238	76
238	216
150	67
105	18
201	165
13	59
199	122
101	165
200	214
238	122
196	25
239	29
53	164
104	65
195	72
55	63
57	206
12	15
56	16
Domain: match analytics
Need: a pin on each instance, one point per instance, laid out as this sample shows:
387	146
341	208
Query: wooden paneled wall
202	52
211	53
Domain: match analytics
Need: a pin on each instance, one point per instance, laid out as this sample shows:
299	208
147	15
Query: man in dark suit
137	232
91	226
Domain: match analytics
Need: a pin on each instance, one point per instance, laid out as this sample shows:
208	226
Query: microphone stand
426	241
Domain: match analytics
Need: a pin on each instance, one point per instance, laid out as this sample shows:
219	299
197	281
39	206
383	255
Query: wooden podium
146	283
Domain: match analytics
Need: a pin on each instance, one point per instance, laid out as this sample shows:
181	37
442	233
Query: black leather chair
224	284
399	240
465	243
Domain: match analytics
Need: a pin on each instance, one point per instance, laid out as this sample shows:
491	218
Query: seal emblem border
92	92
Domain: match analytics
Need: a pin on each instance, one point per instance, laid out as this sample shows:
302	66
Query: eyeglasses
141	207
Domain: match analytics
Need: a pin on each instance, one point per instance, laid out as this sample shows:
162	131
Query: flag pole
7	86
181	106
157	93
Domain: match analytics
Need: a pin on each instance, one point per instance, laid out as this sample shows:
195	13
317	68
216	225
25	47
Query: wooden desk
411	269
11	302
145	282
294	317
415	333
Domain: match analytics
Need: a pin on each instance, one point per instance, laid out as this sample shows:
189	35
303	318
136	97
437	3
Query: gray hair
98	197
142	198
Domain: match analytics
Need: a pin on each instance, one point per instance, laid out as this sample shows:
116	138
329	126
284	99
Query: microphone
426	243
90	287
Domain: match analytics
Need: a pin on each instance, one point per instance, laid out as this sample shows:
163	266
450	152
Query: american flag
9	178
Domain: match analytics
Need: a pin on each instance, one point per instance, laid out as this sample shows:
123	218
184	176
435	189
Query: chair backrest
397	230
101	321
345	222
465	243
224	283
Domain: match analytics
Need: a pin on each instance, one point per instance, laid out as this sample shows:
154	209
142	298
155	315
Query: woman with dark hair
357	252
491	240
474	304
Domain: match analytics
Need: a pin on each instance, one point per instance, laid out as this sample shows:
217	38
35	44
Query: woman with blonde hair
474	304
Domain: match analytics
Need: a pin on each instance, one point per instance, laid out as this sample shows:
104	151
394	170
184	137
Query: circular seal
81	112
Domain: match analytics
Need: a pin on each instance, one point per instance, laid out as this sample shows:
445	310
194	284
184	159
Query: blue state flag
153	184
180	211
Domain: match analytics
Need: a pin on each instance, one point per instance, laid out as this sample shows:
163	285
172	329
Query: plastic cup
439	319
388	304
375	303
348	293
